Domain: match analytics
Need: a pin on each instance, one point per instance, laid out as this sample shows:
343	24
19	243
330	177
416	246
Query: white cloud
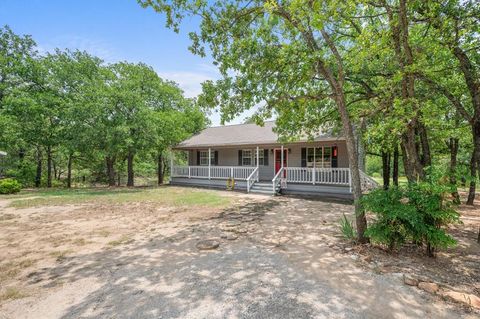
189	82
97	48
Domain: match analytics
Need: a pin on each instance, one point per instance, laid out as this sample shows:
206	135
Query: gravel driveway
278	258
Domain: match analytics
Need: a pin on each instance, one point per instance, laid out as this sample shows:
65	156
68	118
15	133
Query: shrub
415	213
9	186
347	228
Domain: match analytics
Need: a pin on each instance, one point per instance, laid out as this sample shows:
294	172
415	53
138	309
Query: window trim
247	157
205	157
316	155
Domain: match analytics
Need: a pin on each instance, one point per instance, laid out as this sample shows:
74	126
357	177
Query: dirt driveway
277	258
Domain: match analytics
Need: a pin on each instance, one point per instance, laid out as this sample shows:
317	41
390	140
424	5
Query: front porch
301	168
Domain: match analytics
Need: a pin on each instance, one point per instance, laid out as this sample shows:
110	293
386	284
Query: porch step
263	188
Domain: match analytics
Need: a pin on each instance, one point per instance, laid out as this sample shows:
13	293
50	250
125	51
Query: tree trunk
453	146
360	146
473	178
38	176
386	169
395	166
110	162
130	180
55	171
69	171
160	168
360	218
49	166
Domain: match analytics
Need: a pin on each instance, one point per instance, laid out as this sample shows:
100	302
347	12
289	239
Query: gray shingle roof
241	134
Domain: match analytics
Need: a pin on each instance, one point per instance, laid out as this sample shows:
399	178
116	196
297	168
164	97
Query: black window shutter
198	158
216	159
334	156
239	157
304	157
265	157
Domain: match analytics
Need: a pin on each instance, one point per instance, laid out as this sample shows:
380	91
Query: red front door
278	159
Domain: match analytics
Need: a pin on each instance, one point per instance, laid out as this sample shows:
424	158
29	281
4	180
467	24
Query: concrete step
261	191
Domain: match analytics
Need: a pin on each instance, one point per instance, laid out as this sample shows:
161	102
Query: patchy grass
60	255
12	293
4	217
171	196
124	240
11	269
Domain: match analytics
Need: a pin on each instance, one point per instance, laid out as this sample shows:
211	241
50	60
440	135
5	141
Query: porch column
281	158
209	161
258	174
314	164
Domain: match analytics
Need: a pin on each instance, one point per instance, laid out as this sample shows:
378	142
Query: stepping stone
207	244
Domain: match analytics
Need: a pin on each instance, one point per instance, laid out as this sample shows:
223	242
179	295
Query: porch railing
213	172
335	176
252	178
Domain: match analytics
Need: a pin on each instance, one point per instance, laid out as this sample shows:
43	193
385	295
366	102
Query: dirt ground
278	257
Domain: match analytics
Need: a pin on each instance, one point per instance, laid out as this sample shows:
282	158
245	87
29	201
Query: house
253	156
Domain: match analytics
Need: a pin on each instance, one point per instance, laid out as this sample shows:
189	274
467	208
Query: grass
402	180
12	293
124	240
172	196
60	255
11	269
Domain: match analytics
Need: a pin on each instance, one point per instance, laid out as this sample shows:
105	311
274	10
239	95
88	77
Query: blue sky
114	30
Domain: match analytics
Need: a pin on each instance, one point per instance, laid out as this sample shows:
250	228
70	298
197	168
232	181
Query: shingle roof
242	134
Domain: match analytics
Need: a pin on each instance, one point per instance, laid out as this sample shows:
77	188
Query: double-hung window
319	157
246	157
261	160
204	158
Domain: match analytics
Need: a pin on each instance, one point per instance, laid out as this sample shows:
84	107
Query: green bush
415	213
9	186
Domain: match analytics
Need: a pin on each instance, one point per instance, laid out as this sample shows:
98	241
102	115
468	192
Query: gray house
253	157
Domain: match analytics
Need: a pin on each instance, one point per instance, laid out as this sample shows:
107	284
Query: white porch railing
213	172
335	176
277	180
252	178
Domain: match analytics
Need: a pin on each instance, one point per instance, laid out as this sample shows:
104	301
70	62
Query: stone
354	257
467	299
367	259
410	280
231	237
207	244
247	219
430	287
347	249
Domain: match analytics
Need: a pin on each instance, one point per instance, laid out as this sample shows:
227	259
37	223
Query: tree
287	55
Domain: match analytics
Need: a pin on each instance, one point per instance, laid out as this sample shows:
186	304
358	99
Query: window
204	158
261	160
327	157
321	156
247	158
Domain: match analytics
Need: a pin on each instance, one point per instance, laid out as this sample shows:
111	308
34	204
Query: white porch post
350	178
314	165
209	161
258	162
281	157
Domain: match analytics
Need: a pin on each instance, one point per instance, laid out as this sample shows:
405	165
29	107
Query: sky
114	30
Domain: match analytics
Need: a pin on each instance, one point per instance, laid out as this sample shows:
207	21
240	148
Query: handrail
366	182
249	178
276	180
